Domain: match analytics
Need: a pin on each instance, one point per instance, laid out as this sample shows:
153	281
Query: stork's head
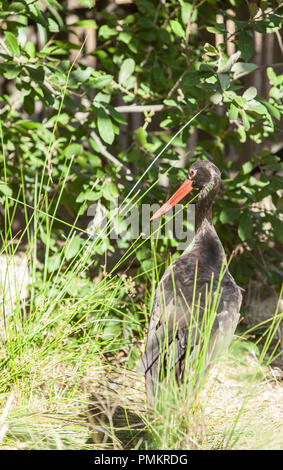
202	175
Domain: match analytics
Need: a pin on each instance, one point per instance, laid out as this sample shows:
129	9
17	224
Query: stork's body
182	287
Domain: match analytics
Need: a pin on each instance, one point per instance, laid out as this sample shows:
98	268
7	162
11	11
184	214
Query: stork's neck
203	211
206	242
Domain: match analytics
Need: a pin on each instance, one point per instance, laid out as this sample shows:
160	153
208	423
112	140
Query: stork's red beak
184	189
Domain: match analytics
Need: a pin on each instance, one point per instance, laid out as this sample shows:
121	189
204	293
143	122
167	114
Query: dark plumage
170	318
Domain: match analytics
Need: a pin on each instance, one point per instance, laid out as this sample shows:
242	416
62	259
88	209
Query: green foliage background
55	104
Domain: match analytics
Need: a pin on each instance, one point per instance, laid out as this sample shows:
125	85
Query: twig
250	21
188	28
194	6
123	2
120	87
107	154
154	24
178	82
47	85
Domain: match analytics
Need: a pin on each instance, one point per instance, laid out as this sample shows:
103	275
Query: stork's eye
192	173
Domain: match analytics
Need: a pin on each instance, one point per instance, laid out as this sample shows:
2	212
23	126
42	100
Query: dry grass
231	394
49	412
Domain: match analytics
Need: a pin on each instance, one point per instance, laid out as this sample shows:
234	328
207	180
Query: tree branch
107	154
134	108
259	67
279	39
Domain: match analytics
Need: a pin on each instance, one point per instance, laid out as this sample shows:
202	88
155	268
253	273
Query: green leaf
233	112
240	101
105	127
29	104
227	66
105	32
216	98
80	75
116	115
15	6
210	50
258	108
250	93
88	196
12	44
142	136
37	74
245	45
30	49
110	191
88	24
101	99
245	229
53	26
247	167
87	3
125	37
272	76
224	80
11	71
127	69
53	263
253	8
191	78
4	188
72	150
245	119
217	29
186	9
242	67
47	240
102	81
177	28
274	111
278	228
73	247
228	215
242	134
31	125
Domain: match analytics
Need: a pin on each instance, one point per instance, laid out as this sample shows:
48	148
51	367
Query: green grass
57	359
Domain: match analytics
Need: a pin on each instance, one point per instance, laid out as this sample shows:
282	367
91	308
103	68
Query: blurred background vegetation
92	91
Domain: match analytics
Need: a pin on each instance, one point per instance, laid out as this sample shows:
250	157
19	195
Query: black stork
181	284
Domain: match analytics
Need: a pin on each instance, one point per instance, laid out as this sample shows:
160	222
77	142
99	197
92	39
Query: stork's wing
171	318
160	341
177	315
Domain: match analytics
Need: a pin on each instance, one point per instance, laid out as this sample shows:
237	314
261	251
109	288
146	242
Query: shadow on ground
116	413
